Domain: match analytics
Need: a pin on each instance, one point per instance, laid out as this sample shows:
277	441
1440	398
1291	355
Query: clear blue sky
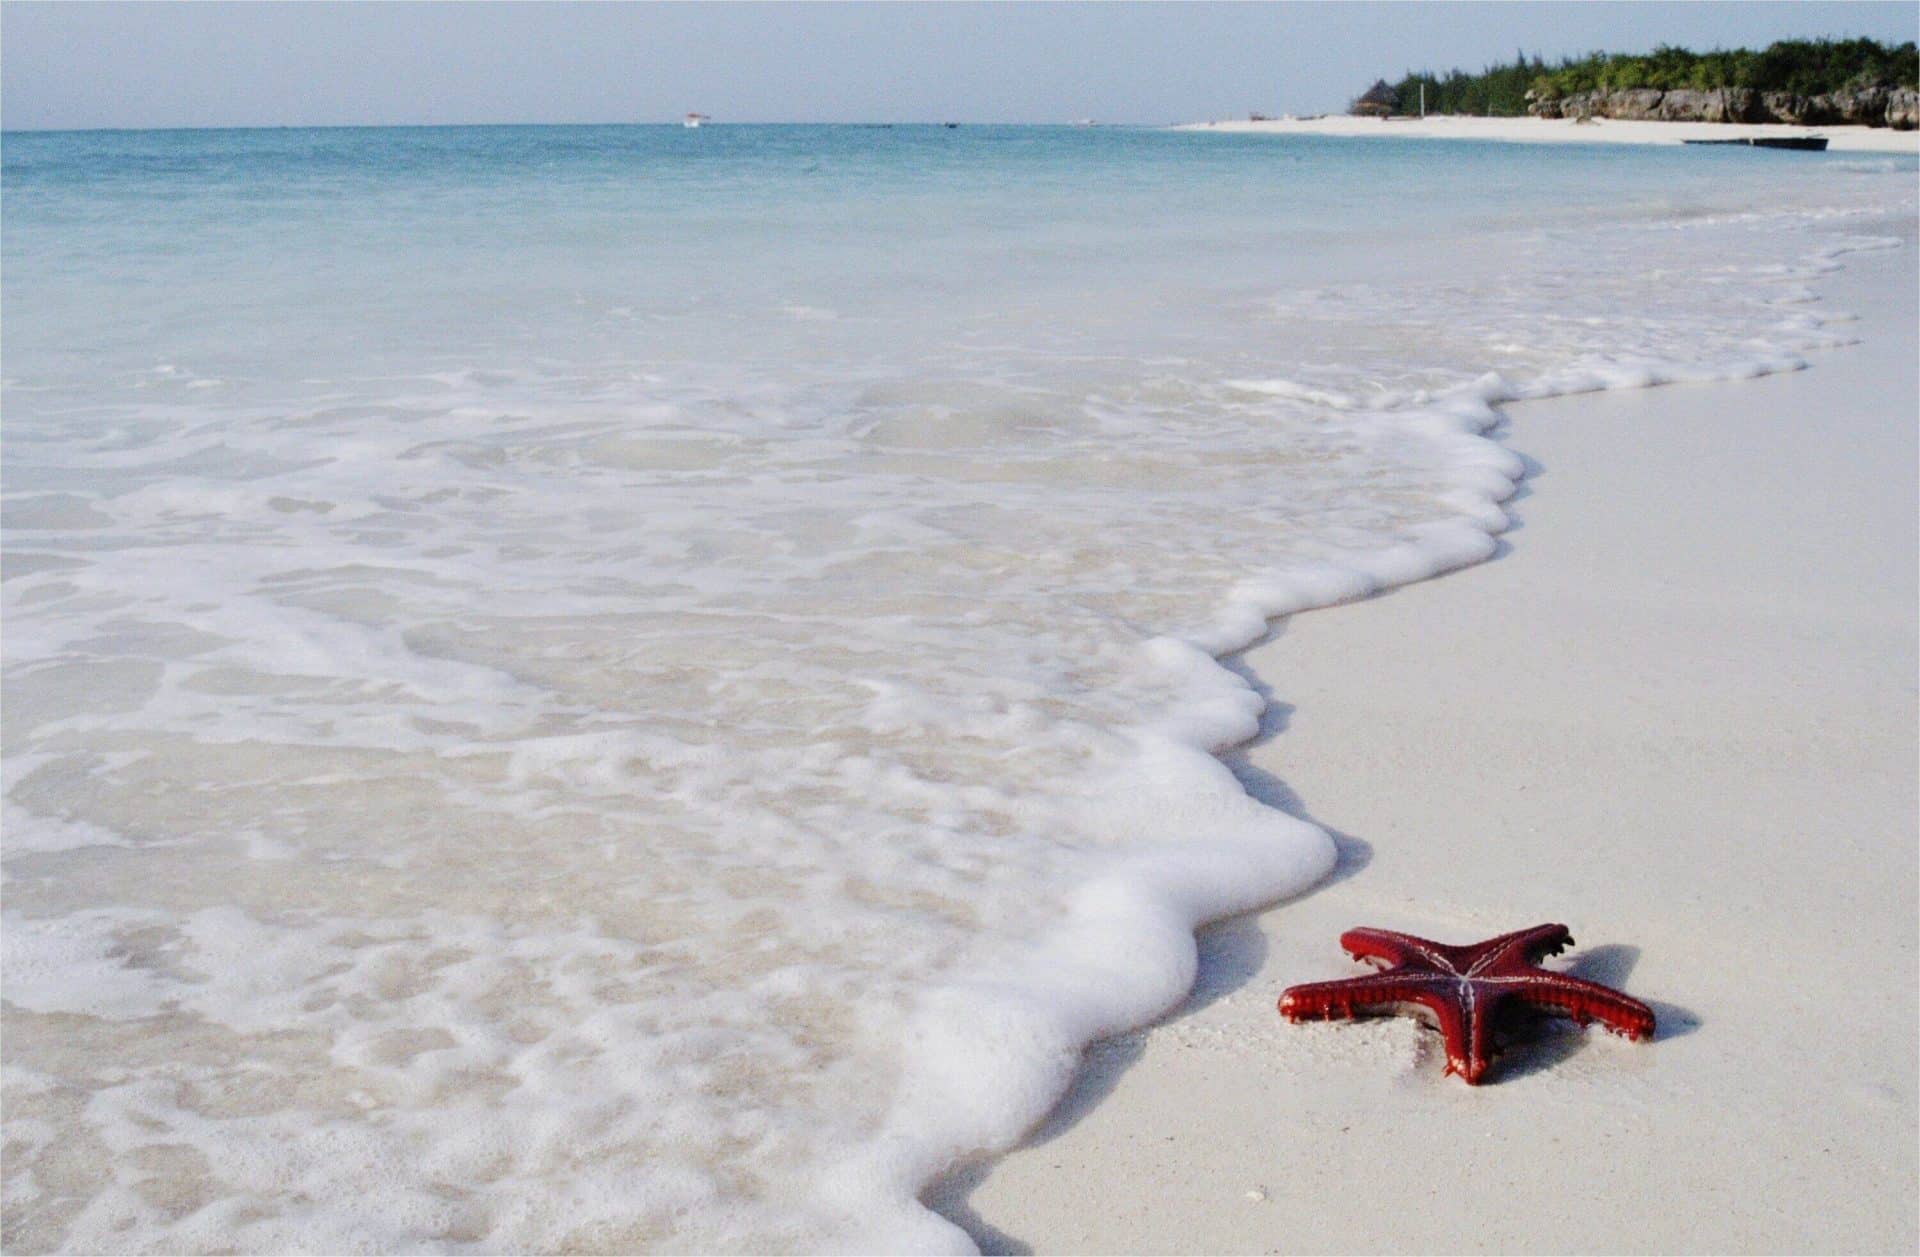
167	65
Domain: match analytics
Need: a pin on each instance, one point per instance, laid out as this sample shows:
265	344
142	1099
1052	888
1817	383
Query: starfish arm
1351	996
1529	946
1585	1001
1464	1015
1388	947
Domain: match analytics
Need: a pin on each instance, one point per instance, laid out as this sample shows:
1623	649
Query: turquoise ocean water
610	688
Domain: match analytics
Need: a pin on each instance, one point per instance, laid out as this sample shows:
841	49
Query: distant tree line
1804	67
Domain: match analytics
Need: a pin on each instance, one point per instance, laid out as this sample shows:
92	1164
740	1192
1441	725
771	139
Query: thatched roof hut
1376	102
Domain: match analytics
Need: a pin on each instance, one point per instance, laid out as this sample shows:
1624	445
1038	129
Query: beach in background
1840	139
609	688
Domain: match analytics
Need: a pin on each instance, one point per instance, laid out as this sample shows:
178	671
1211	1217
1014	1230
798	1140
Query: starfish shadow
1549	1040
1609	964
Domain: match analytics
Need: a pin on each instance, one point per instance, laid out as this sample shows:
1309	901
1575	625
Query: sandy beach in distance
1565	131
1677	713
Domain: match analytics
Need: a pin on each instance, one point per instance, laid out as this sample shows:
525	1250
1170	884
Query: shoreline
1676	710
1841	139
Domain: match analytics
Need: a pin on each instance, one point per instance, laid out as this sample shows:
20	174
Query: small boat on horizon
1798	143
694	120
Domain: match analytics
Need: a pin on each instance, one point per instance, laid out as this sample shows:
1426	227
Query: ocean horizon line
671	124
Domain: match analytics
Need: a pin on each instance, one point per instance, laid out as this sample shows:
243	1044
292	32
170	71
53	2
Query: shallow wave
684	787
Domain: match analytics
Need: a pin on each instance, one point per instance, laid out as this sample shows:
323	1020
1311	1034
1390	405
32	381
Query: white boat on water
694	120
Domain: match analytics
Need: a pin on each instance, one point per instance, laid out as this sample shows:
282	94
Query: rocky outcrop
1903	109
1897	107
1641	104
1864	108
1784	107
1726	104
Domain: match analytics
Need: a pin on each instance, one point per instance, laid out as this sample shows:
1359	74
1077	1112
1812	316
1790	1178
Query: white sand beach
1677	713
1565	131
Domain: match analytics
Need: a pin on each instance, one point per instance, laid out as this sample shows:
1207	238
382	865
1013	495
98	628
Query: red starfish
1465	987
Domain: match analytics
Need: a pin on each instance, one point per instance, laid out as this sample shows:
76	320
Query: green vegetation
1801	66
